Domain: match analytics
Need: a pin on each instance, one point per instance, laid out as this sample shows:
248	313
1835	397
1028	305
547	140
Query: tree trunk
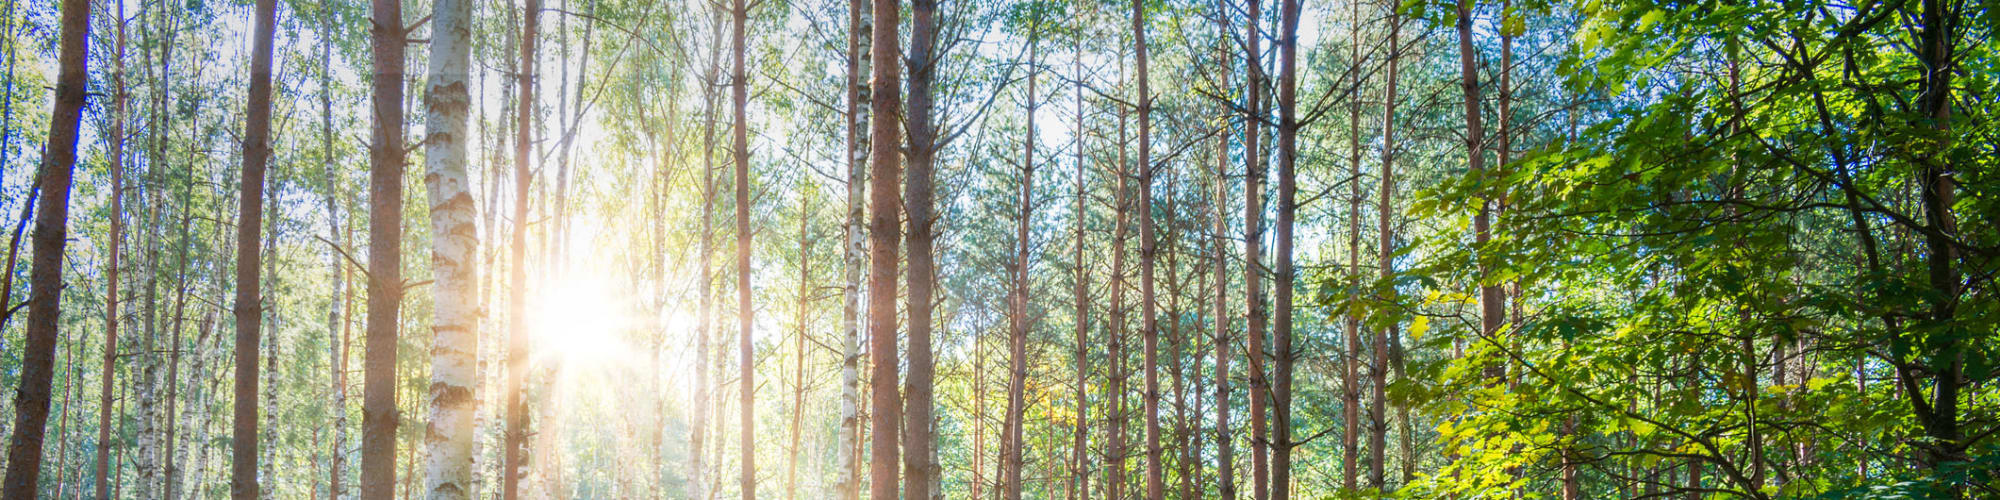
1253	250
919	435
516	437
1286	276
704	380
249	308
1011	442
336	269
1350	383
739	89
109	373
1491	313
1114	476
854	255
1148	306
884	170
379	412
1225	451
1378	425
31	401
799	349
1080	475
454	251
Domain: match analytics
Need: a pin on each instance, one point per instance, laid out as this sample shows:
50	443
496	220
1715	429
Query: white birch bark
455	241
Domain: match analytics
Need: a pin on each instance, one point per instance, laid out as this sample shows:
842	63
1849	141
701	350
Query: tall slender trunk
739	90
1378	425
31	400
108	374
884	170
854	255
336	269
1350	383
1080	474
704	399
1011	443
1225	451
1114	476
799	350
454	254
1281	331
249	223
1148	306
1491	313
516	434
919	434
385	238
1253	249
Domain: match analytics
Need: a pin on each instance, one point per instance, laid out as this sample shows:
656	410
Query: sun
582	320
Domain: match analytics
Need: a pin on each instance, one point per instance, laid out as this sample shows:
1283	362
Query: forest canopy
930	249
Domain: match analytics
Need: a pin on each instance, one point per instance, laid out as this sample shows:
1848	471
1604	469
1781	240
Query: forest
1006	249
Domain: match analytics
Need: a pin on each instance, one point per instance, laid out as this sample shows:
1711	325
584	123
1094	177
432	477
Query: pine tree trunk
1114	475
108	375
379	412
739	89
1011	442
1491	312
454	254
516	434
1350	383
249	307
1378	425
1225	451
31	401
1148	306
1253	250
1285	275
1080	473
884	170
799	351
919	433
704	399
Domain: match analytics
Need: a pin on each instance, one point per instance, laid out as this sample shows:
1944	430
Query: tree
919	194
1149	320
250	213
739	90
1286	275
883	216
854	254
385	260
454	247
1378	371
514	441
106	375
31	400
1253	247
1018	324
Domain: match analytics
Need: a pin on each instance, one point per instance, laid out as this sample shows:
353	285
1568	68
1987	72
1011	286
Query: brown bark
919	434
514	441
31	401
1378	425
1017	303
1080	475
108	374
1281	331
385	234
249	222
1225	456
739	90
1350	383
1148	306
704	400
884	206
1253	250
